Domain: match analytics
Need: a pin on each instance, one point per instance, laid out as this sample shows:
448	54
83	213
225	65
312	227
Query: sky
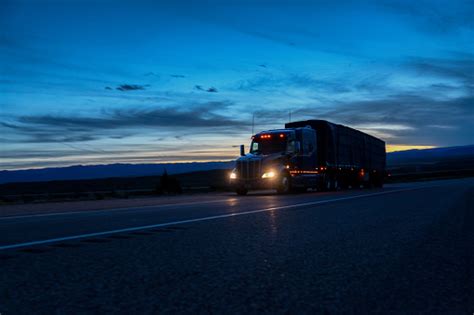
99	82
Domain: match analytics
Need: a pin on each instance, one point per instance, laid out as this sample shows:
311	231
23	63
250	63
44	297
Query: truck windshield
269	145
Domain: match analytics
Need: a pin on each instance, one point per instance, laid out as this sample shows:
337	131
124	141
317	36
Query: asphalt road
407	248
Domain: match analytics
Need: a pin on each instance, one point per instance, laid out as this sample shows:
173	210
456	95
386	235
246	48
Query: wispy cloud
404	119
152	74
461	68
131	87
287	82
210	89
201	117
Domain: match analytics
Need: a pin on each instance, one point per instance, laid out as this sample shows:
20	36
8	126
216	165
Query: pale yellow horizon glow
405	147
163	157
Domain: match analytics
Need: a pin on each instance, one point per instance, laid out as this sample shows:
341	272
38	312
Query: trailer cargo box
343	147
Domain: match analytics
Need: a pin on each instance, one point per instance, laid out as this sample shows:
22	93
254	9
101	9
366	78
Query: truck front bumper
268	183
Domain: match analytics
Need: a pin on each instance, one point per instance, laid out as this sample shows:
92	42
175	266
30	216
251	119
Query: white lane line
215	217
12	217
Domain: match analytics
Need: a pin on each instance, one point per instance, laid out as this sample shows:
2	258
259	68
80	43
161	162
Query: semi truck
314	154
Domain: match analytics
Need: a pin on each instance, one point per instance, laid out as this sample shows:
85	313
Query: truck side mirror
242	150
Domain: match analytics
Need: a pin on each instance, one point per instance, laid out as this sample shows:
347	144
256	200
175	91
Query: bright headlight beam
270	174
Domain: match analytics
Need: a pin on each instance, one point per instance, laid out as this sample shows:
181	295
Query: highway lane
26	230
404	249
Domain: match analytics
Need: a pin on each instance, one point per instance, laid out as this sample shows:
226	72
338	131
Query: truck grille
249	169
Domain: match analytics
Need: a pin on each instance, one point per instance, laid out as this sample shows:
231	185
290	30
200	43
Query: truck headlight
233	175
269	174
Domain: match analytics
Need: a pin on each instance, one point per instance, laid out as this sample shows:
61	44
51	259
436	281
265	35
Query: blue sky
97	82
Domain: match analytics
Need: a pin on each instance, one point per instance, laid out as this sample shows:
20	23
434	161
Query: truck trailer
314	154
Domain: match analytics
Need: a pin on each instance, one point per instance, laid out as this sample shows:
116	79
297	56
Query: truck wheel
378	182
332	183
325	184
285	185
241	191
368	184
343	185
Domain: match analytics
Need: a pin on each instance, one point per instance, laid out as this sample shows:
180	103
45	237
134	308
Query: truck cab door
306	157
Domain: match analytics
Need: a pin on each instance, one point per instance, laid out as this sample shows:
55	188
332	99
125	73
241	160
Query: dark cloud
49	136
457	66
131	87
202	118
108	88
404	119
210	90
293	35
443	88
399	119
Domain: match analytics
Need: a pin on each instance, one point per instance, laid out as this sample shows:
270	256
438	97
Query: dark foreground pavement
406	249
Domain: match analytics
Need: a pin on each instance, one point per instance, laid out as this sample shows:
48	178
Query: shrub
168	185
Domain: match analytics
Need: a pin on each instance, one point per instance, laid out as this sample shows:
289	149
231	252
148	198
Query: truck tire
331	183
285	185
378	182
325	184
241	191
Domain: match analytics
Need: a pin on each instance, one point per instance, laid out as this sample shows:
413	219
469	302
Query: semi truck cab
275	158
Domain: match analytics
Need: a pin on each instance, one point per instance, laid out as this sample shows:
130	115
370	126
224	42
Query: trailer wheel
241	191
285	185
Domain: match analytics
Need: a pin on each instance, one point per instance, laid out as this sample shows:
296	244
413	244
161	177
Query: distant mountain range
134	170
108	170
429	155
